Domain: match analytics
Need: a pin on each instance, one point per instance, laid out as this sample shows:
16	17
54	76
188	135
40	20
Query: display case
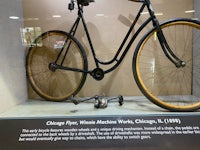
28	121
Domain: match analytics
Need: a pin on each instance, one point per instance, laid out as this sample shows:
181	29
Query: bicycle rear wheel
164	84
48	81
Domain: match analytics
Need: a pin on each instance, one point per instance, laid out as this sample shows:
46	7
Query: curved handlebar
86	3
137	0
79	2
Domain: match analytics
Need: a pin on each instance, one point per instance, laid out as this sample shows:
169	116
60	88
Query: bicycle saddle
85	2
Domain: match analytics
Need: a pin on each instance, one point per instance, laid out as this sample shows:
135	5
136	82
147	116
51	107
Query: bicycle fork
167	50
163	42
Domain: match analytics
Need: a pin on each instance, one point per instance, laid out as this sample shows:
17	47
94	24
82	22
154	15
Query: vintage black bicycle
166	69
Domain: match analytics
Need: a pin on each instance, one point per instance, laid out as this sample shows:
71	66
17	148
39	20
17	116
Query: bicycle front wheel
162	82
56	48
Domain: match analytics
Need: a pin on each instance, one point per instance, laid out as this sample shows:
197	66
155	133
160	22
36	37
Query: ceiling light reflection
56	16
14	17
32	19
144	13
159	14
189	11
100	15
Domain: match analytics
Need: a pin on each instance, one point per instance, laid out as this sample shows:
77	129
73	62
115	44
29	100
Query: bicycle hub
52	67
180	64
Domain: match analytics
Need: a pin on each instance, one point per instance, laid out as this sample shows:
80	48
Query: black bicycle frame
118	59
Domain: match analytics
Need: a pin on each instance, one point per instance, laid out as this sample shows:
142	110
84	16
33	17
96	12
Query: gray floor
36	108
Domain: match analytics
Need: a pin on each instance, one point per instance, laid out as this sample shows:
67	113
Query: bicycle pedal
75	101
121	100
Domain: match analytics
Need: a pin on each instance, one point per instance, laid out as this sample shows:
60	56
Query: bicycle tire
172	88
56	85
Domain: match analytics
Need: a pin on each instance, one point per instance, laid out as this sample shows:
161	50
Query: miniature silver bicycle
166	61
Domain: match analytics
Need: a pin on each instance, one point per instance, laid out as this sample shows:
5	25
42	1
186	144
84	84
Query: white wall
12	69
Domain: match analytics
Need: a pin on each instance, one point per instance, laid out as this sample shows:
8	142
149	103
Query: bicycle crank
97	74
100	101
